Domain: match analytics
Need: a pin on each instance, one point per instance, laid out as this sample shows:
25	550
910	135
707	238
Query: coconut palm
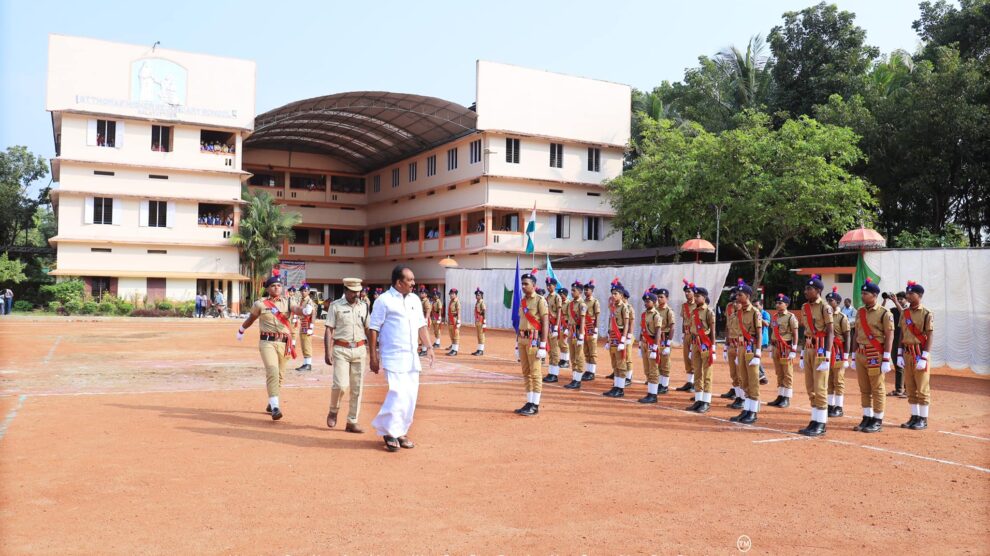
261	231
747	76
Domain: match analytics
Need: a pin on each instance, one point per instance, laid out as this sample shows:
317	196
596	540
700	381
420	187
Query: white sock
576	375
529	397
565	357
831	398
273	401
690	377
629	373
914	410
619	382
592	367
790	392
652	388
781	390
838	400
554	370
481	347
455	347
867	412
698	396
307	360
708	397
879	415
740	393
923	411
664	381
746	405
822	416
536	398
754	406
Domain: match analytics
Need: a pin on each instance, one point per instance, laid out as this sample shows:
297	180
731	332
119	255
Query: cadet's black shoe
587	376
776	401
268	409
876	425
911	421
550	378
276	414
628	382
736	404
836	411
649	398
304	367
703	408
532	410
611	376
739	417
693	407
688	386
523	408
573	385
451	353
862	424
814	428
784	402
748	419
619	393
662	390
920	425
763	377
829	409
730	394
564	364
610	391
477	352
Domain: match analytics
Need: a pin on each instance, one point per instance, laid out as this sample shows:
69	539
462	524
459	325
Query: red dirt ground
122	436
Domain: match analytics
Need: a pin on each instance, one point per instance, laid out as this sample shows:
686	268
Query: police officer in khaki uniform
273	313
783	338
436	311
841	343
687	309
454	322
667	324
729	352
650	340
347	326
917	328
576	314
702	350
531	340
591	326
563	331
873	340
748	352
816	317
616	334
306	327
427	306
554	304
480	314
631	319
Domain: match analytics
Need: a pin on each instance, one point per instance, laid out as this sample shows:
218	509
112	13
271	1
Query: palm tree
747	75
890	77
260	233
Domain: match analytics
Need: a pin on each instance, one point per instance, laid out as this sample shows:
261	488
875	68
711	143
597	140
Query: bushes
73	306
65	291
164	305
125	308
23	306
186	308
69	298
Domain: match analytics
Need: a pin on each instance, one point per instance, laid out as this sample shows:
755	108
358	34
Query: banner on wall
293	273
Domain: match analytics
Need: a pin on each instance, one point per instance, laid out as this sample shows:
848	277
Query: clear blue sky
306	49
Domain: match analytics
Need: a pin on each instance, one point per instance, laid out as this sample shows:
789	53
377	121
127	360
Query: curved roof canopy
368	129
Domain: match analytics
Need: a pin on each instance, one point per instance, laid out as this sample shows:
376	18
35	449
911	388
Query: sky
307	49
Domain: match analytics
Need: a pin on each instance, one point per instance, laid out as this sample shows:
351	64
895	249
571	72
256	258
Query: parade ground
145	436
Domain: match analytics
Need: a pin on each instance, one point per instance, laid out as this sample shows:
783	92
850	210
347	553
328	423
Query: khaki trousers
837	378
562	340
273	357
686	348
749	375
871	386
701	363
307	345
531	371
455	333
650	366
553	351
436	330
734	364
784	368
815	382
916	382
348	376
577	364
591	349
664	363
618	359
481	333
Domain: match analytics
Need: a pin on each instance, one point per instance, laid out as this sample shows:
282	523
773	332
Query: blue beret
870	286
782	298
649	296
815	282
915	287
270	281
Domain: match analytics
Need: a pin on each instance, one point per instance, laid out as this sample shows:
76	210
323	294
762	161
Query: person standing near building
616	335
784	327
917	328
840	356
702	350
531	340
848	311
591	326
817	319
631	319
563	331
437	312
219	301
577	322
306	328
731	353
650	340
395	324
553	321
748	352
345	349
687	309
873	322
480	314
427	306
454	322
199	306
273	313
667	324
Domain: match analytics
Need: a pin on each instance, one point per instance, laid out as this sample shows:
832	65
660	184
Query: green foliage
54	306
965	28
18	169
89	307
73	306
11	271
263	227
164	305
22	306
186	308
951	236
64	291
107	306
124	307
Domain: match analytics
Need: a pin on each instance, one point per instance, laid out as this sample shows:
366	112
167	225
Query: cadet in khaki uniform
631	319
576	313
563	332
732	339
650	340
427	305
436	311
616	334
273	313
783	337
686	327
532	342
306	328
294	319
347	324
702	351
591	327
748	352
816	317
917	327
841	343
873	339
480	314
454	321
667	323
554	305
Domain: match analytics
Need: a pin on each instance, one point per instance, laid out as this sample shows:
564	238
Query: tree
818	52
18	169
11	271
748	76
774	186
967	27
261	231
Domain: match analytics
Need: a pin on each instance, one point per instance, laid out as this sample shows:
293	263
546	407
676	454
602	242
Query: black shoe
776	401
736	404
611	376
920	425
564	364
703	408
814	428
477	352
748	419
573	385
587	376
911	422
876	425
276	414
837	411
829	410
523	408
662	390
268	409
532	410
551	378
451	353
688	387
615	392
763	377
729	395
610	391
693	407
628	382
862	424
649	398
304	367
784	402
740	417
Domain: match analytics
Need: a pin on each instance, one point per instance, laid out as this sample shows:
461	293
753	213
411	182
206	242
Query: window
102	133
376	184
161	138
102	173
512	150
344	184
395	177
216	142
157	177
157	211
475	151
431	166
451	159
102	210
310	182
844	278
100	250
594	159
99	285
505	221
210	214
592	228
556	155
562	226
267	179
412	172
157	252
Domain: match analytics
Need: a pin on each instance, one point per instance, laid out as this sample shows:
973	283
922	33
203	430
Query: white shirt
398	320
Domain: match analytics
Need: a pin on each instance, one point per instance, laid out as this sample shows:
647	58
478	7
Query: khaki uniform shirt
437	310
630	323
924	321
732	330
650	322
594	310
821	314
686	309
707	321
752	323
619	317
426	308
879	320
666	321
479	312
575	311
535	306
454	311
554	304
840	325
267	321
349	322
787	325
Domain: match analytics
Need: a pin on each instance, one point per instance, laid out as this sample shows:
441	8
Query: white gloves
458	325
845	360
240	334
690	354
309	331
666	351
553	332
542	352
517	353
823	366
885	366
622	346
308	310
754	362
580	339
484	326
725	354
900	360
792	355
923	362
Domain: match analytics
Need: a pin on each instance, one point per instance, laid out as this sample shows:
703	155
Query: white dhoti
396	414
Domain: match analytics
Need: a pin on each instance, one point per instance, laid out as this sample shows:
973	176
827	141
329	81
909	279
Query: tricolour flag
516	298
550	273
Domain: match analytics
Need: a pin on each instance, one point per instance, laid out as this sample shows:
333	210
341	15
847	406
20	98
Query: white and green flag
531	232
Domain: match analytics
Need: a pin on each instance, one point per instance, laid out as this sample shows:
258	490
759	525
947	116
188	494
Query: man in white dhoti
396	328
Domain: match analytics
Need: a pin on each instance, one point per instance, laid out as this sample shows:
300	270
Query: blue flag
550	273
516	295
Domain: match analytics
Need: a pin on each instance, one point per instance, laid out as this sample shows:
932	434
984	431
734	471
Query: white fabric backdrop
957	290
635	278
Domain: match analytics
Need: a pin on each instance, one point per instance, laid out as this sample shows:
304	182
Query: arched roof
368	129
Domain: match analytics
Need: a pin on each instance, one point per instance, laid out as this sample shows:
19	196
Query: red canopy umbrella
862	238
698	246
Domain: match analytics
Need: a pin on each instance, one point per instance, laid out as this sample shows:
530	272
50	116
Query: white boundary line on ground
785	439
51	351
11	414
966	435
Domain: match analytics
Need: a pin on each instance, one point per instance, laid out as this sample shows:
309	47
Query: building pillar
422	234
235	297
326	242
402	238
464	225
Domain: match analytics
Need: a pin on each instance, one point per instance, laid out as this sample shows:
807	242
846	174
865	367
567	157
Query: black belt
266	337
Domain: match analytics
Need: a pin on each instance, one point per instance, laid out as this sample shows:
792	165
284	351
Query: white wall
81	260
210	187
534	160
